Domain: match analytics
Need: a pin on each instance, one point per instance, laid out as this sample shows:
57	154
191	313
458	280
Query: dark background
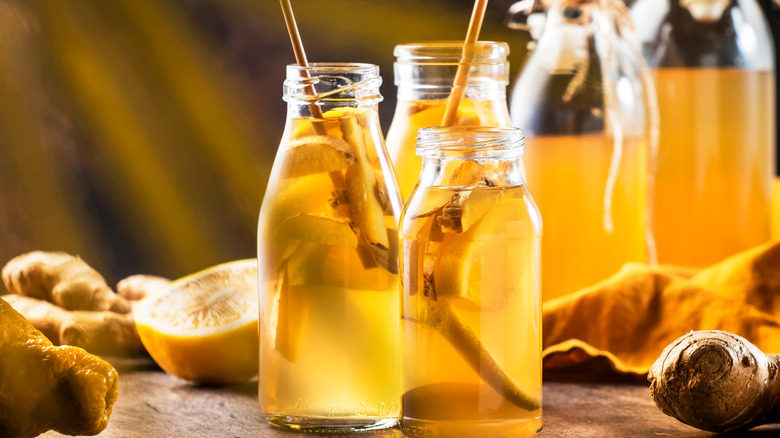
140	134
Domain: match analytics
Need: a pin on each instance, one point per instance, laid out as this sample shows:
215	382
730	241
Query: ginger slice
465	209
365	206
318	229
289	314
317	154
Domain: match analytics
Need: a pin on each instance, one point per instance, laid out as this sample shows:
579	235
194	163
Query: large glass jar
424	75
586	112
328	259
471	323
713	64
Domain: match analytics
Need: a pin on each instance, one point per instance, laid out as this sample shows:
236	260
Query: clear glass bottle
328	259
470	267
713	64
586	112
424	75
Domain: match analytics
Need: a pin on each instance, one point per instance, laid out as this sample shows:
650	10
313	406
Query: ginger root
45	387
138	287
103	333
62	279
716	381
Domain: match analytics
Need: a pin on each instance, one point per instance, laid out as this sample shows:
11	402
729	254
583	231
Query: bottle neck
315	90
704	34
467	157
426	71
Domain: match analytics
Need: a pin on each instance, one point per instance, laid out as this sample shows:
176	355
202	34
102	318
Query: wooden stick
300	59
462	75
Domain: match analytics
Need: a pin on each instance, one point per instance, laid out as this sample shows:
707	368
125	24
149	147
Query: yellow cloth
620	326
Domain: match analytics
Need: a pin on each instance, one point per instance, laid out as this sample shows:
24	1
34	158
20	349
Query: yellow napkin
620	326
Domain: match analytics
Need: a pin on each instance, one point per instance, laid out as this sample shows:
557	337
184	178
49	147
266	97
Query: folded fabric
617	328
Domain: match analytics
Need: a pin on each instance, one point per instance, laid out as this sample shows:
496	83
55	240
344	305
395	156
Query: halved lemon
203	327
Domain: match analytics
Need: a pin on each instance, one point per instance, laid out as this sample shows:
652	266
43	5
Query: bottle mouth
450	52
333	82
470	142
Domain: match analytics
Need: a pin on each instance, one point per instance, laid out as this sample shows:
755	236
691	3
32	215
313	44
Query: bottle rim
333	82
450	52
470	141
332	67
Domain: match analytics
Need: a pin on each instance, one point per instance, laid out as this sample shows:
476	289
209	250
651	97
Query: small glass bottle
586	112
424	75
713	64
470	267
328	259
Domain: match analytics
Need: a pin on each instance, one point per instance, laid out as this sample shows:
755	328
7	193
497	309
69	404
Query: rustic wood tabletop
153	404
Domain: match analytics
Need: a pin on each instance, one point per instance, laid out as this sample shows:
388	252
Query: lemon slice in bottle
203	327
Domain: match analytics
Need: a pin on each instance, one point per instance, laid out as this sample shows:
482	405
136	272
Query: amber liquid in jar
328	266
714	173
587	216
470	307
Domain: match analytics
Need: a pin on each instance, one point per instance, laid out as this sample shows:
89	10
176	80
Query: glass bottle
587	117
713	64
470	267
328	259
424	75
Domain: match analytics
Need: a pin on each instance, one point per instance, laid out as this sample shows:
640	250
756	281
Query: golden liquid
486	277
715	163
411	116
329	325
569	177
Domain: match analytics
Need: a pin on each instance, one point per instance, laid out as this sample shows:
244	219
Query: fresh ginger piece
364	206
44	387
62	279
716	381
465	209
103	332
138	287
289	315
317	154
318	229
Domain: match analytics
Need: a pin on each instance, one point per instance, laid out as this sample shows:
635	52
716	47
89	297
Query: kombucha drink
471	330
594	214
328	268
585	106
715	163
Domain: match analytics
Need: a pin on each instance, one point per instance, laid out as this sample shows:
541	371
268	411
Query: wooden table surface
153	404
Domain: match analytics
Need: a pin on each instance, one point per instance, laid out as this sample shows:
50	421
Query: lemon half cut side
203	327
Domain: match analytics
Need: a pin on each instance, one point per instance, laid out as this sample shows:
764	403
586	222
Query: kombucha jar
470	270
424	75
713	64
328	259
586	112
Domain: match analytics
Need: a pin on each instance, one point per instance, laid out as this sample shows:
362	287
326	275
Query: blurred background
140	134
